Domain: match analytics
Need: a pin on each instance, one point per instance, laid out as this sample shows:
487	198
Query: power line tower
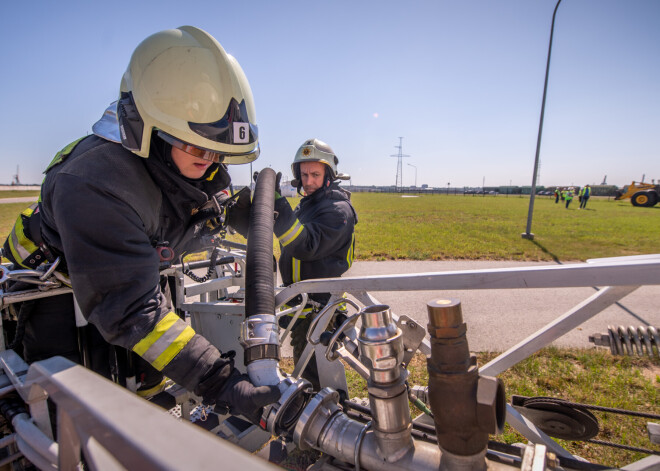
399	166
16	180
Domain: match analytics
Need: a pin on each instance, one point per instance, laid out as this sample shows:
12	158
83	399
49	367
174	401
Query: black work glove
240	397
238	214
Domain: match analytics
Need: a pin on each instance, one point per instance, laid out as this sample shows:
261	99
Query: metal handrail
113	427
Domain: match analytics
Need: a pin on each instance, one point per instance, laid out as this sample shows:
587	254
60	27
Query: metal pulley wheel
557	418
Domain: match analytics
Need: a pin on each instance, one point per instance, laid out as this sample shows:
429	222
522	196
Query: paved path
499	319
22	199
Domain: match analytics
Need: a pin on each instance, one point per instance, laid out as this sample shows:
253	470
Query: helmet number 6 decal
241	133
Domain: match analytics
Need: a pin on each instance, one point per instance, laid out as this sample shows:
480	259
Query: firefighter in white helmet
114	212
317	239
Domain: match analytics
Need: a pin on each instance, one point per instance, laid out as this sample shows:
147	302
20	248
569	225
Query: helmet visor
206	154
233	128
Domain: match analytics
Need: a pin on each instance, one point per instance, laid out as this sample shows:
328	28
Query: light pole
528	234
411	165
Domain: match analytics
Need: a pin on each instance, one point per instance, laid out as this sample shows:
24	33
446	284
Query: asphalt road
499	319
22	199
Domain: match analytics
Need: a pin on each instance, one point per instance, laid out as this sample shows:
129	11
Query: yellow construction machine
640	194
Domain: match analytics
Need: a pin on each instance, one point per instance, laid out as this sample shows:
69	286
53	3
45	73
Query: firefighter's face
189	165
312	175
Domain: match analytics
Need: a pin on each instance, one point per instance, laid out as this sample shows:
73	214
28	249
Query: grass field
437	227
18	193
441	227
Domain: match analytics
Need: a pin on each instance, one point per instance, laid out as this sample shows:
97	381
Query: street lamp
411	165
528	234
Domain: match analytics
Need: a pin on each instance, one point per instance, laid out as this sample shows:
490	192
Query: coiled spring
630	341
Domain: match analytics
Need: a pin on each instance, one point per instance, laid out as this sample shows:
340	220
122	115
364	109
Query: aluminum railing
111	427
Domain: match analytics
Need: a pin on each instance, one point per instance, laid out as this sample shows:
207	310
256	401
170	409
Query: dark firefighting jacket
106	210
317	239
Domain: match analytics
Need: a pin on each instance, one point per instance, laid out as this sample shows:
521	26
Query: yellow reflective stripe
303	314
350	254
296	270
21	247
148	393
165	341
290	235
61	155
212	176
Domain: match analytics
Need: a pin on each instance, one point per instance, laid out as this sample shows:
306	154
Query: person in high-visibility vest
568	196
585	192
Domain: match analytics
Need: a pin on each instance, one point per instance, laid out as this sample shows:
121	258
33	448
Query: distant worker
557	195
585	192
317	239
568	196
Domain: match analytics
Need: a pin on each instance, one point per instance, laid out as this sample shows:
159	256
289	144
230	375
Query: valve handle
330	355
316	319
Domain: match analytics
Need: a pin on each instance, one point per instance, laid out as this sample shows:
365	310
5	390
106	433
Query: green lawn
437	227
441	227
18	193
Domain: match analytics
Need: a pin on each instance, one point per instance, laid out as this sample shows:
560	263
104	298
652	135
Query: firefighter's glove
240	397
238	214
278	189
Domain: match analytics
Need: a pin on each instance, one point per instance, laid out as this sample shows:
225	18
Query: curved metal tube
315	321
34	456
29	438
330	354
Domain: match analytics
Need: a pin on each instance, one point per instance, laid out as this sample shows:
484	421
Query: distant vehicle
640	194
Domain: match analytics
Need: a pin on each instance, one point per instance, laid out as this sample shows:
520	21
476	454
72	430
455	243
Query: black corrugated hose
259	280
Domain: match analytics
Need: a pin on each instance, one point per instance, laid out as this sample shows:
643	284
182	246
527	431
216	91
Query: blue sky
460	81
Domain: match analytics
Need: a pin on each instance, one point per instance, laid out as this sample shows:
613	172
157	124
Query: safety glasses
195	151
210	155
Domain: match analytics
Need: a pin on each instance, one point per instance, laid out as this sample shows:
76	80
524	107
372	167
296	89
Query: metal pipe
466	407
323	426
34	457
381	348
10	459
35	438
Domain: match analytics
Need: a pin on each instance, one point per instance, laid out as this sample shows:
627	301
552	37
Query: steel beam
551	332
